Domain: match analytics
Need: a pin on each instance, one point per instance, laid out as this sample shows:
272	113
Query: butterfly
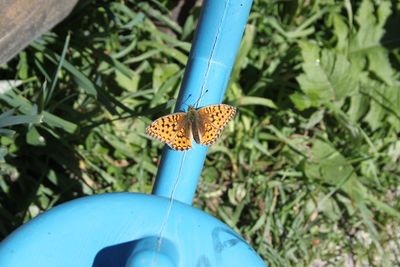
204	125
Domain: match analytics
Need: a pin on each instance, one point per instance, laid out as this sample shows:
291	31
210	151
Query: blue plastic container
125	229
163	229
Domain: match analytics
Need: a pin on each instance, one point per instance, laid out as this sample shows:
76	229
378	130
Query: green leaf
49	95
359	105
168	51
301	101
254	100
155	13
57	122
8	119
130	83
315	118
24	106
385	101
162	73
329	166
34	138
327	76
84	82
366	43
244	50
19	119
342	32
6	132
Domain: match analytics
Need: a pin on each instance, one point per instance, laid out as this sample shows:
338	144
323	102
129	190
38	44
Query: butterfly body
195	123
204	125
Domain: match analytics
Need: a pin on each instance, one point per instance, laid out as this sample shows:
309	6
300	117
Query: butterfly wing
182	140
211	121
172	130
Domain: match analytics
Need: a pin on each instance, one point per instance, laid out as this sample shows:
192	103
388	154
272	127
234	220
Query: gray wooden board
22	21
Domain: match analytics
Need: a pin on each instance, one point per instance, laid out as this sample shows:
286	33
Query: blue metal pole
217	40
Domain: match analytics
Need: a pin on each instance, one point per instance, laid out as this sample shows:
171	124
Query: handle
216	43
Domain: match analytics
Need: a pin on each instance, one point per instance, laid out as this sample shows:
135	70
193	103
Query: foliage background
311	173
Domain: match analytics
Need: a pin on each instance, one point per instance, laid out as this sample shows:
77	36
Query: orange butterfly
204	125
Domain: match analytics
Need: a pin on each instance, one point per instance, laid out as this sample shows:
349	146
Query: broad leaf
327	76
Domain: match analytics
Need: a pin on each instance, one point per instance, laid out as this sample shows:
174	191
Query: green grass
308	172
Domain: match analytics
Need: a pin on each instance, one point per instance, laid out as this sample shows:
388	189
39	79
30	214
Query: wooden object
22	21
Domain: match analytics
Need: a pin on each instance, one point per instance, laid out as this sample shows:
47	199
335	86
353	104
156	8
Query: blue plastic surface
211	60
105	230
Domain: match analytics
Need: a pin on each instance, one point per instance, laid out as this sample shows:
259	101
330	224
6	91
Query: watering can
161	229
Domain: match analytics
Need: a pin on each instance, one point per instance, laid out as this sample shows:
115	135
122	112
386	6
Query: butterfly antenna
198	100
184	102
